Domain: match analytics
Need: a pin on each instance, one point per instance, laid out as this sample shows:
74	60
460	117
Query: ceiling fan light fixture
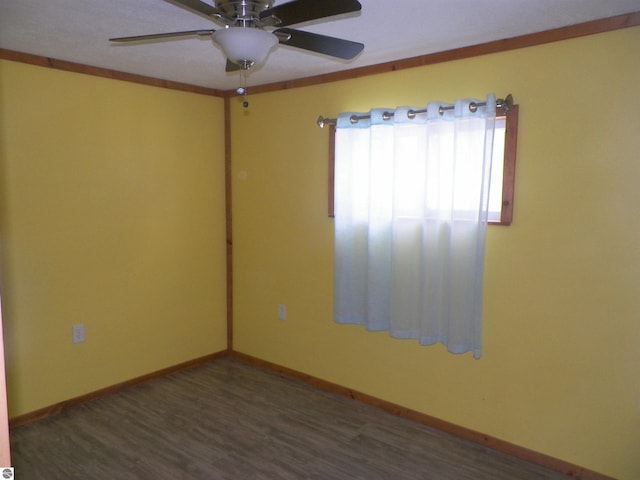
245	46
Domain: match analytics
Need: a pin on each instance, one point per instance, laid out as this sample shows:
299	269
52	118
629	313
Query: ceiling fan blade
299	11
158	36
231	66
335	47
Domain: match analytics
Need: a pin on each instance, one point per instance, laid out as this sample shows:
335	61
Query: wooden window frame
508	169
509	165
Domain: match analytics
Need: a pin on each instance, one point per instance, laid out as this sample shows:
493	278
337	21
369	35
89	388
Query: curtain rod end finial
322	121
508	102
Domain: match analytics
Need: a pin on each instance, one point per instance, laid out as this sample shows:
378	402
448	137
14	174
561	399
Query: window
502	175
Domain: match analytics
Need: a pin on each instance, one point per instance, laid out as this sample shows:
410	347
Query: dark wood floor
230	420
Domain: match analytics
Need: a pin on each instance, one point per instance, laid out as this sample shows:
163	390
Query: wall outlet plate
77	333
282	312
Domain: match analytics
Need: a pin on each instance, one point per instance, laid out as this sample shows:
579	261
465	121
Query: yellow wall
112	203
560	372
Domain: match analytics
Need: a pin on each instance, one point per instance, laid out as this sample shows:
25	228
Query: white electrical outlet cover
78	333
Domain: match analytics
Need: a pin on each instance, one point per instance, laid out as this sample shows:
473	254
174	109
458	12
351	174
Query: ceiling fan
252	28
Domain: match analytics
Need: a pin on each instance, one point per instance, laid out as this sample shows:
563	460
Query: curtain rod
505	104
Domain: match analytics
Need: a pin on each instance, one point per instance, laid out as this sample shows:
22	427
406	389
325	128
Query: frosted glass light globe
245	46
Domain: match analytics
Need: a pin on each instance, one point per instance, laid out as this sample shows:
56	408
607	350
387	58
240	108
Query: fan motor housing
244	9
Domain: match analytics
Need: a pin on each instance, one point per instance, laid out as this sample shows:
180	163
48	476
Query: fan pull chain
242	89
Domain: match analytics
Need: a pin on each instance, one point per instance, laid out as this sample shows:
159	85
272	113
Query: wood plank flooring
231	420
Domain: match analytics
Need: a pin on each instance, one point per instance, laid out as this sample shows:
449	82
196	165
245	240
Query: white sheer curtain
411	202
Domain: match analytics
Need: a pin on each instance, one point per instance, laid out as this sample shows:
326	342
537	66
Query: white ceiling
78	31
